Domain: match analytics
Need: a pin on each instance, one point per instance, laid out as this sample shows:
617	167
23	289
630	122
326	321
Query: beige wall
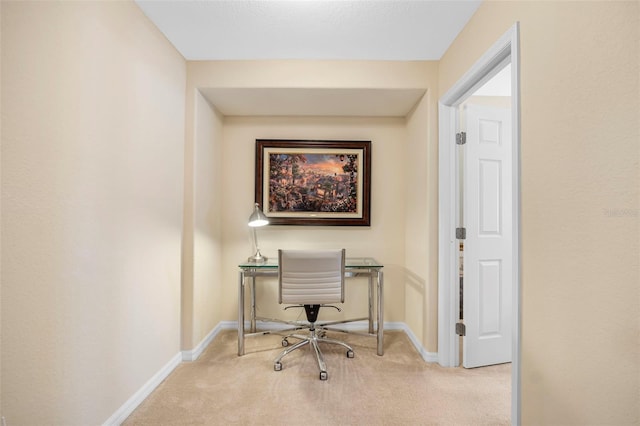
382	240
202	240
209	195
580	205
310	74
92	171
420	280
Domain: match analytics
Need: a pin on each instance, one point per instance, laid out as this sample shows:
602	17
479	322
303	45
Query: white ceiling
397	30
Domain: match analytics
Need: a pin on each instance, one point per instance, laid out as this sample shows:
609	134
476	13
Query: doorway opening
504	52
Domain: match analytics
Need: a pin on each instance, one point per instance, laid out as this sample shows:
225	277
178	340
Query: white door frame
505	50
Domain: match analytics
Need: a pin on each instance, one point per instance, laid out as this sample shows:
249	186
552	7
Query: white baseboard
195	353
187	356
426	356
132	403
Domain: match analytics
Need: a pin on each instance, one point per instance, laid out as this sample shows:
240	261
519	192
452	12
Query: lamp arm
255	239
257	257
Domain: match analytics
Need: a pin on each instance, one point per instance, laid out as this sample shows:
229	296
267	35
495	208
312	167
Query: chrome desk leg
240	313
380	313
253	304
371	303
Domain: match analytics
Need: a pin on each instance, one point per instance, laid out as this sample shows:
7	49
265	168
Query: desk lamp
256	220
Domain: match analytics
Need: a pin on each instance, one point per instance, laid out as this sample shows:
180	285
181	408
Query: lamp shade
258	218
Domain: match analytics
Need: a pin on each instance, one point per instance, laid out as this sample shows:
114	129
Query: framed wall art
314	182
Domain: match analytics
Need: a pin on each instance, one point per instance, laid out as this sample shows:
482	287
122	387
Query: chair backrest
311	277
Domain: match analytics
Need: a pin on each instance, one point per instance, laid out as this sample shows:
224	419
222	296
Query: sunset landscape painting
312	182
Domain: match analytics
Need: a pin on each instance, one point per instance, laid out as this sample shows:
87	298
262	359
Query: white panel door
488	259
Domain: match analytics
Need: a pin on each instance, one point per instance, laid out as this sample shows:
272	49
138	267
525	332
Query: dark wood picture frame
314	182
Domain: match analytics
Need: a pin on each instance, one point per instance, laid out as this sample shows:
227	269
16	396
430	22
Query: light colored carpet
399	388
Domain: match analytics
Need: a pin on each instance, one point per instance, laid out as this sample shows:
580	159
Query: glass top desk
354	267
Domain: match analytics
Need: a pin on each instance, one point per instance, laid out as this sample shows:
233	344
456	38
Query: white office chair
311	279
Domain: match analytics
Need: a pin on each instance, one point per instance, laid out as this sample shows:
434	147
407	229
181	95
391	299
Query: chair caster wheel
277	366
350	354
323	375
285	342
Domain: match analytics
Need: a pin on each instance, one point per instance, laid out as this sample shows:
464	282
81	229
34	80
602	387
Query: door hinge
461	233
461	329
461	138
